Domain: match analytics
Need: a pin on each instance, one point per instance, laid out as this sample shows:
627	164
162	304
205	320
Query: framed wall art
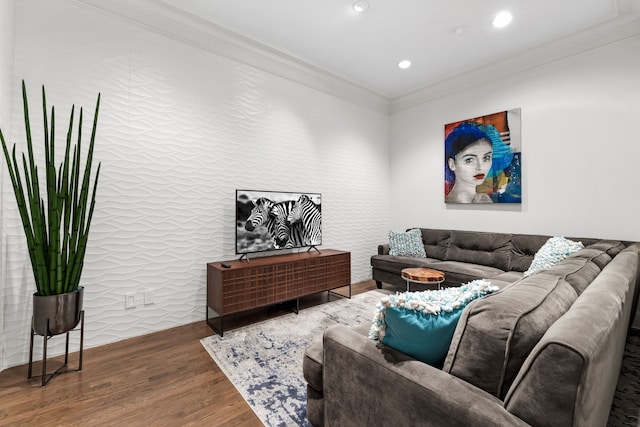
482	159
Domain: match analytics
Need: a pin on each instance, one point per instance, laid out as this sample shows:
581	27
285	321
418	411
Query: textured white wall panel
180	129
7	29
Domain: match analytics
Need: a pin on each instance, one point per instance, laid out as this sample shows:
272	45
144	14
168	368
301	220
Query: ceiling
326	45
365	48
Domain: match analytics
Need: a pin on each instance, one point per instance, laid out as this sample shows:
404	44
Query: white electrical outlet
149	297
130	300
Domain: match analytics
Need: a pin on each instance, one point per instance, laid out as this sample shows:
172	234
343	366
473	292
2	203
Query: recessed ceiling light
404	64
502	19
360	6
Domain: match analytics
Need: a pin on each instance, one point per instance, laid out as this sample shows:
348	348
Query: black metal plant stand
47	376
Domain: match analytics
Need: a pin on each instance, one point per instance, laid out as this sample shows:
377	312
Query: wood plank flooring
162	379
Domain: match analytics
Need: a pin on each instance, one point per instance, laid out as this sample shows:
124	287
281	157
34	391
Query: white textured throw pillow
552	252
406	244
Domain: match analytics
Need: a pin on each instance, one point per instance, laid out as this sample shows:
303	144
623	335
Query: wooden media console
245	285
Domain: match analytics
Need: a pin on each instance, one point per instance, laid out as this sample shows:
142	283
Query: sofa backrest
523	249
514	252
475	247
508	252
611	247
570	377
435	242
579	272
580	268
496	333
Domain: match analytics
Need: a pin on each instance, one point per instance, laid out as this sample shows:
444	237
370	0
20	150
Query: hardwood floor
161	379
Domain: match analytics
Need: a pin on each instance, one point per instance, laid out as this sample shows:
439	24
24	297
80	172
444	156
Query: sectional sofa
466	255
544	350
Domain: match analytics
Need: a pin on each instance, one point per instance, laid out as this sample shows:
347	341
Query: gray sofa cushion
496	333
507	276
457	272
435	242
312	365
490	249
523	248
597	256
579	360
581	267
312	370
395	264
579	272
369	384
315	406
601	252
612	247
505	279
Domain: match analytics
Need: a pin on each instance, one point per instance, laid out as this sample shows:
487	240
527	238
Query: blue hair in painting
467	133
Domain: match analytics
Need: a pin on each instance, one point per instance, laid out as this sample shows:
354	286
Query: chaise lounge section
545	350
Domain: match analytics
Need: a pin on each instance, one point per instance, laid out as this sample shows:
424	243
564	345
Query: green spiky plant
56	226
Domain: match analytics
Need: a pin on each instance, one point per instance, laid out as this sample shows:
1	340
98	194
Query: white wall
180	129
580	150
7	27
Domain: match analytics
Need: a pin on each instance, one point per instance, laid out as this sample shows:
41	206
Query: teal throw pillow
421	324
552	252
406	244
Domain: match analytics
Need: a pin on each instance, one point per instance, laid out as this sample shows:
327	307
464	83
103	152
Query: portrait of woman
480	163
469	159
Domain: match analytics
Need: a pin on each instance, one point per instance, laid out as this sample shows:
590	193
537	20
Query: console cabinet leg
212	325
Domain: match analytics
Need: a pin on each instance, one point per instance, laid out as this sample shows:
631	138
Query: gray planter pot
61	311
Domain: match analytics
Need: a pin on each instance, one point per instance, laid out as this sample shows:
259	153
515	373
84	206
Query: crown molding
624	26
171	22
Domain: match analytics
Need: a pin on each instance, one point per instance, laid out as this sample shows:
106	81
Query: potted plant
55	218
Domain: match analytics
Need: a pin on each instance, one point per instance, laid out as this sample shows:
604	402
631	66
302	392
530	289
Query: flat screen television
276	220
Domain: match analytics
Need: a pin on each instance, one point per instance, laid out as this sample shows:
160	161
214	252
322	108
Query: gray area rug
264	361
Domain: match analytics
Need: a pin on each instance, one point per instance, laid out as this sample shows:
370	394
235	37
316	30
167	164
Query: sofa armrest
366	383
383	249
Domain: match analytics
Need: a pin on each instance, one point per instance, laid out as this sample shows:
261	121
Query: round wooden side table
424	276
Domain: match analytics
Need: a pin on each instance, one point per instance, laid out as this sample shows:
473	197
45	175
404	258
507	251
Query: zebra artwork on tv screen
275	220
